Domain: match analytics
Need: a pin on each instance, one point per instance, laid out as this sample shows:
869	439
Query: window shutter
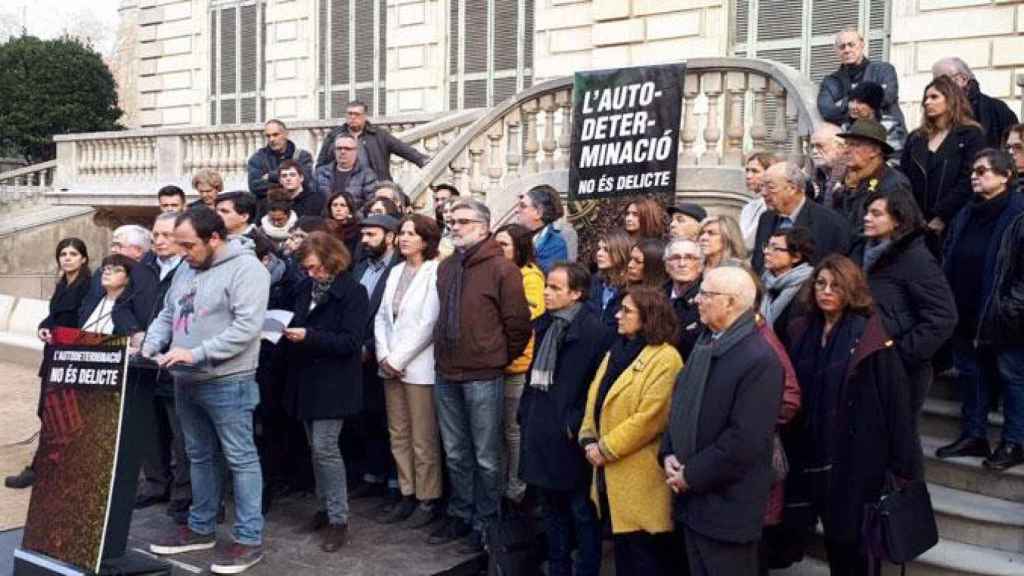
237	62
779	19
228	51
364	32
497	57
476	43
354	40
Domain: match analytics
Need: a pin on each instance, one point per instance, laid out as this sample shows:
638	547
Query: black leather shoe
400	512
23	480
965	446
453	529
472	544
1007	455
147	500
426	514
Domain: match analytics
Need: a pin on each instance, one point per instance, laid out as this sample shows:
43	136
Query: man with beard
371	428
211	320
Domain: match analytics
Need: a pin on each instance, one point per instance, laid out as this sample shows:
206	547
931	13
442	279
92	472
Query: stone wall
584	34
987	34
27	264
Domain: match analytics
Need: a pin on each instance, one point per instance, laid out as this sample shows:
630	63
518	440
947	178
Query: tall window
801	33
490	51
237	49
352	50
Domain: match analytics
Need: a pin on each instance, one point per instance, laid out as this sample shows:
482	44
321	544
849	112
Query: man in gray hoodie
212	318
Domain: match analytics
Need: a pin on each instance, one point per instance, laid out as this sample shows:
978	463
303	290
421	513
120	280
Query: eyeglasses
845	45
770	249
675	258
705	294
823	286
980	171
463	221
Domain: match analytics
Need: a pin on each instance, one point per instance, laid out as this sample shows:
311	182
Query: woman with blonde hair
720	239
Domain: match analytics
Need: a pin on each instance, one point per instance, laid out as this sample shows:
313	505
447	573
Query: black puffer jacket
957	154
912	297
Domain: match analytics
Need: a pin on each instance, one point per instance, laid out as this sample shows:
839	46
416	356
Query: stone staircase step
941	418
980	520
949	558
969	475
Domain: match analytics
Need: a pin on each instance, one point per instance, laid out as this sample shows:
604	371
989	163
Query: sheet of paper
274	323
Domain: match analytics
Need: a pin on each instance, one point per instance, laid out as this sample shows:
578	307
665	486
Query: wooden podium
97	408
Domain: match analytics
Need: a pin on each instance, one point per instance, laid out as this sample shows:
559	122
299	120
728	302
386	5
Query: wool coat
550	420
325	370
633	417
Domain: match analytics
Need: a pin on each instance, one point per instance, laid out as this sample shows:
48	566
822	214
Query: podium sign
83	405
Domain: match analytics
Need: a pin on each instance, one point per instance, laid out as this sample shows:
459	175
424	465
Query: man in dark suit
717	449
784	187
378	258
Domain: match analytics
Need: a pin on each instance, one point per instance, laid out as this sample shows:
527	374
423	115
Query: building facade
206	62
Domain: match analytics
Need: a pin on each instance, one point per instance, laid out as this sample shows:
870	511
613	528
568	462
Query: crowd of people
702	391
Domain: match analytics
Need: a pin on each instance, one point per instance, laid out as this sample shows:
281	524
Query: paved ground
19	393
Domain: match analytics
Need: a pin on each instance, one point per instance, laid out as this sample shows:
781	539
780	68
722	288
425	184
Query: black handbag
901	525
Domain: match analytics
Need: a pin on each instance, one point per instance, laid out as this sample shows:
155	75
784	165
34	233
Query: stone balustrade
126	168
26	186
730	107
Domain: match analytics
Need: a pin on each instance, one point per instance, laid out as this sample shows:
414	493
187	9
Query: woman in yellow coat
627	410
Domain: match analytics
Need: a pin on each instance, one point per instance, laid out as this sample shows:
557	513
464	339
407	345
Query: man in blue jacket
264	163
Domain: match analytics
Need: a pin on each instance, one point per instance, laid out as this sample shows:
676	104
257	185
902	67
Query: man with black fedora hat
686	218
867	147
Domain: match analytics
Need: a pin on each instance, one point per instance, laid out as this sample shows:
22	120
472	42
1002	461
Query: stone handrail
25	186
730	107
127	167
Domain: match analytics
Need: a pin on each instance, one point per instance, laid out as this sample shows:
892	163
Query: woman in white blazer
404	328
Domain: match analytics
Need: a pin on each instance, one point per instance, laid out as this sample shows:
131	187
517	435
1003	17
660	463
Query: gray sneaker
236	559
183	539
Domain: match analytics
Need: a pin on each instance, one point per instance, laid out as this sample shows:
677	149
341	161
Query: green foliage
50	87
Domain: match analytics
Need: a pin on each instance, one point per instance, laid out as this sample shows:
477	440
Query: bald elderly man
717	449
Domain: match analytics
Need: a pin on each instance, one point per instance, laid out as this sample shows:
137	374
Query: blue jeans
566	513
980	371
470	418
216	416
328	468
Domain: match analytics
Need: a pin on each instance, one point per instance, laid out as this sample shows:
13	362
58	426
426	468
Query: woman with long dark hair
609	283
342	219
72	258
855	427
644	218
938	155
646	264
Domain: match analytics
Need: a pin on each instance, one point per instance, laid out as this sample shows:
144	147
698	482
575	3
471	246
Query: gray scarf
689	392
780	290
873	251
543	373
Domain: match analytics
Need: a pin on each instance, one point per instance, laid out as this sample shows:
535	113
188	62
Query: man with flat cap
867	147
686	219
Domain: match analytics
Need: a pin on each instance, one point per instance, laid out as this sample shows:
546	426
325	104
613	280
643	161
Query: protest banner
82	411
625	131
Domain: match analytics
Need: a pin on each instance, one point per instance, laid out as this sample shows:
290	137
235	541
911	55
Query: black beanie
868	93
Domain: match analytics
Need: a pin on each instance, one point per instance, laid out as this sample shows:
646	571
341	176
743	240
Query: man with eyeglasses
716	451
264	163
483	324
376	145
855	68
784	191
348	173
1015	145
866	149
684	263
993	114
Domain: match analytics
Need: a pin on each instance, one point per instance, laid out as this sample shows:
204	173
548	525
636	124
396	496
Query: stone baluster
82	159
712	132
778	136
688	135
564	100
735	83
494	160
458	167
512	154
758	128
104	168
549	144
531	146
796	147
397	168
138	165
476	184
